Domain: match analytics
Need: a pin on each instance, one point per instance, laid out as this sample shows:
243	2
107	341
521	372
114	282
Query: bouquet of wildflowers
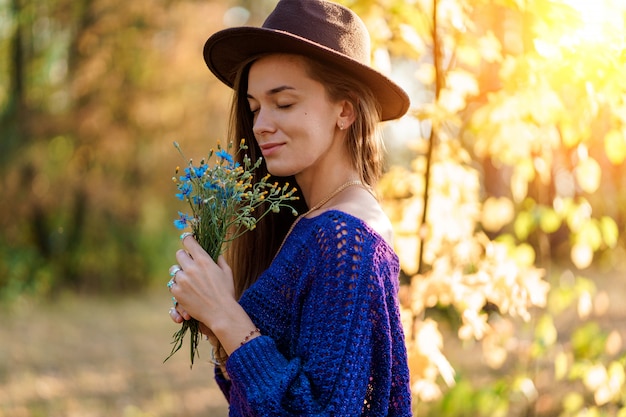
224	204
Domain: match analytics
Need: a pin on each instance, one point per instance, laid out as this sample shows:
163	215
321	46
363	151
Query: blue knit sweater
332	342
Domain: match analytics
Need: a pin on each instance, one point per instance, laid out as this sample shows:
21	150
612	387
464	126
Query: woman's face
295	123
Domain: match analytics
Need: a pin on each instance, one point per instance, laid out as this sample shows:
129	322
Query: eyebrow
274	91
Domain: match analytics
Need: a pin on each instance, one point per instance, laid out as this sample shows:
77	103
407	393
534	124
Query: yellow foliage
615	146
408	249
560	365
606	383
573	402
614	343
497	212
427	362
585	305
588	175
538	124
490	47
549	220
581	255
512	288
610	231
497	343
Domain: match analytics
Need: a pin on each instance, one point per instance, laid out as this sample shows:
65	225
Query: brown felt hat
321	30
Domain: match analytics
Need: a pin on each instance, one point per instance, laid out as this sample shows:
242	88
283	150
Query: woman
307	321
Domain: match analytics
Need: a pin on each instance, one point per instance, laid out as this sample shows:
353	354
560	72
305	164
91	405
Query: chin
280	171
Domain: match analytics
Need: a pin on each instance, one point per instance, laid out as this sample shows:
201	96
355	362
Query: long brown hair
365	144
253	252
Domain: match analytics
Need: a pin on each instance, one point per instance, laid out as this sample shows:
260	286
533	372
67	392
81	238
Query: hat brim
226	50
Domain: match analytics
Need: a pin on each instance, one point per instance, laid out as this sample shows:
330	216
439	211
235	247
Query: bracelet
247	338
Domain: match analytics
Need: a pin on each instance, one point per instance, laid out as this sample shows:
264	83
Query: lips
269	148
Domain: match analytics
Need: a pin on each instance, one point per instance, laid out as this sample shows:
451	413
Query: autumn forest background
505	183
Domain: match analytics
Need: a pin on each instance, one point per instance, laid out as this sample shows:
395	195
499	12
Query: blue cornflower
187	175
227	193
210	185
185	189
200	170
182	221
225	156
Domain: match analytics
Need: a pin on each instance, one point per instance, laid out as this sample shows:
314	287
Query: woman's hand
205	290
202	288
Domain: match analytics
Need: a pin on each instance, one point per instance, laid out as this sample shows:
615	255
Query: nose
262	123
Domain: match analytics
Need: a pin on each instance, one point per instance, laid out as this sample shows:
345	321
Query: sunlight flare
600	21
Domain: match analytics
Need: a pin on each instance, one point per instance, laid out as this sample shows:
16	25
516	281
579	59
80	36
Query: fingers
177	313
193	253
179	316
221	262
176	317
200	284
174	269
191	245
184	259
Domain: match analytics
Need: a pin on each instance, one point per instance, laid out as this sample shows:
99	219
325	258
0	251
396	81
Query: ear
347	115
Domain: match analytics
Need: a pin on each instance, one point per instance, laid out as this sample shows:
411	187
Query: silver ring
184	235
171	283
175	269
174	301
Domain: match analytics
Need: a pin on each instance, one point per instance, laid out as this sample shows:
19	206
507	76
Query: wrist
253	334
235	329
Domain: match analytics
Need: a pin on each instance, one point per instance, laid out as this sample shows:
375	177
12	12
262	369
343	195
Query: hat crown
325	23
321	30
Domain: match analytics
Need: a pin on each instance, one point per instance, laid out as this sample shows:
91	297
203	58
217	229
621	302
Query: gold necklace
317	207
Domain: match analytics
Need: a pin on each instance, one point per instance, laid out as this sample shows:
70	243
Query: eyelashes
254	111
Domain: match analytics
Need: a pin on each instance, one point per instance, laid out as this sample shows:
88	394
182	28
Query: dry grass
93	357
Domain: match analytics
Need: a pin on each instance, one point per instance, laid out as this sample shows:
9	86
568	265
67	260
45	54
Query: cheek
320	126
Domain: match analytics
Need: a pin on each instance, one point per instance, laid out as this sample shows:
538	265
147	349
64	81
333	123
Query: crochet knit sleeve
338	360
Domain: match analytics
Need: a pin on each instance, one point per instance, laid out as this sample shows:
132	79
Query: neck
315	191
320	204
333	194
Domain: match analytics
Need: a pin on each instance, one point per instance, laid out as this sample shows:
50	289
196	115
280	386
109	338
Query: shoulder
340	234
361	205
342	246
